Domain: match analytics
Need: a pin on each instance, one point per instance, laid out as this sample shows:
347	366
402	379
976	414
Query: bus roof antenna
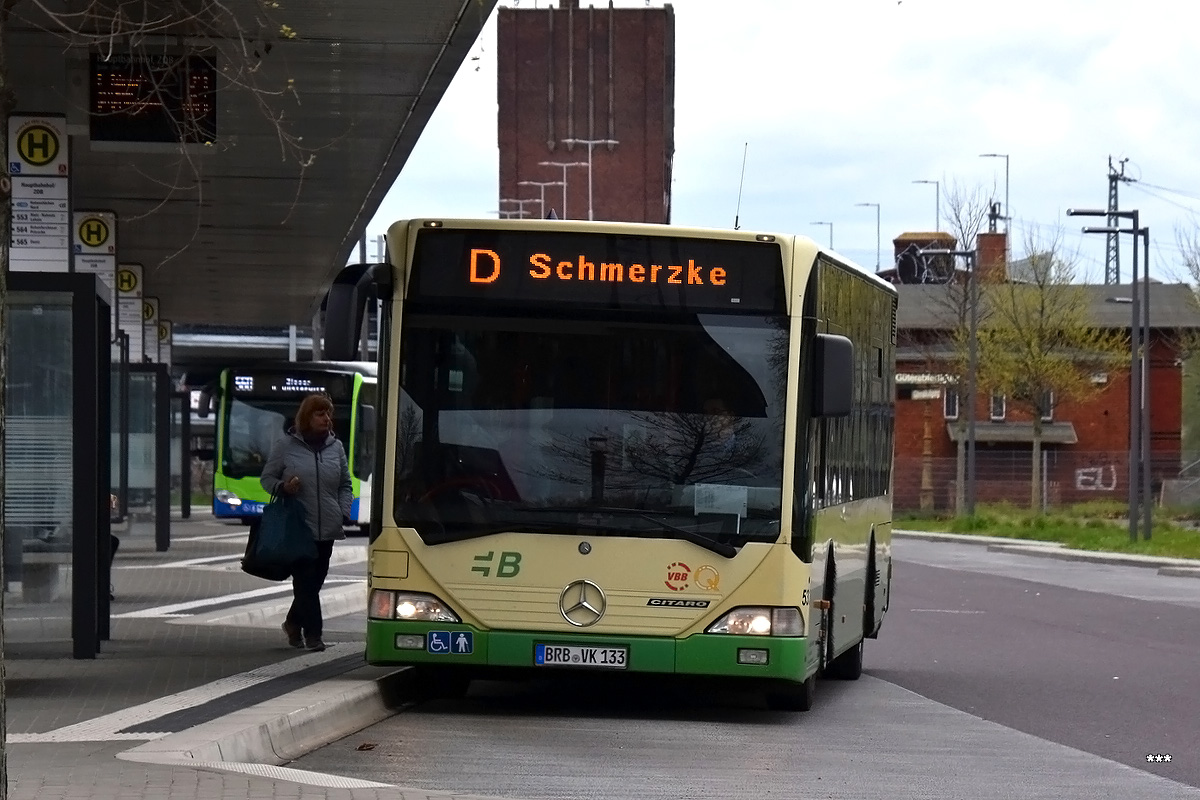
741	182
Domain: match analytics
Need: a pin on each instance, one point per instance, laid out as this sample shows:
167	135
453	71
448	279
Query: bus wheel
793	696
847	666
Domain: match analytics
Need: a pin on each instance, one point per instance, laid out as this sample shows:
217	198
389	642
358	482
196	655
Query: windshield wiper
692	536
695	537
464	534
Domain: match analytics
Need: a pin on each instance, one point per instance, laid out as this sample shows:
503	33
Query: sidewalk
197	695
1177	567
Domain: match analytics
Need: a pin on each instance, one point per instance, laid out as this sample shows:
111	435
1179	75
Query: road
997	675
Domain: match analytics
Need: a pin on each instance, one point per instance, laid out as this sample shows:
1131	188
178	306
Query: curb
970	538
284	728
1180	567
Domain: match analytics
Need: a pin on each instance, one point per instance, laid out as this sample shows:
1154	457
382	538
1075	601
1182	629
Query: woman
310	463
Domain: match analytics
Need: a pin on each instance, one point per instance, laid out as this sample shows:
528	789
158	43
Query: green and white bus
618	447
256	405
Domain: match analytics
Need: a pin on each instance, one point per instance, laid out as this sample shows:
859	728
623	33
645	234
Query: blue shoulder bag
283	535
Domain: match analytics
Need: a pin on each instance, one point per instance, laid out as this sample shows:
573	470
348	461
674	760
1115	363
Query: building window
1048	407
950	402
999	406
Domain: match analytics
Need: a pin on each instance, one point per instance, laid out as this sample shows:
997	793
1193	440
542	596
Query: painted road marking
175	609
105	728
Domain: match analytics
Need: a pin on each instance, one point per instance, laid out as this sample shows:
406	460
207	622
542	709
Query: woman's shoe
315	645
293	634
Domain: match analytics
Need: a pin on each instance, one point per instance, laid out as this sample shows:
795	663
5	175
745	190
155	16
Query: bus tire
793	696
870	625
847	666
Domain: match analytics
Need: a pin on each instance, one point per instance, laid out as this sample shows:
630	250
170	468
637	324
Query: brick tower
586	74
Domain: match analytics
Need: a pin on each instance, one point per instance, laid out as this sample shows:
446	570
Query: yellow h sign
37	145
93	232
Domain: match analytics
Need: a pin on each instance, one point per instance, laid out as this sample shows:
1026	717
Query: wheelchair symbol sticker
460	643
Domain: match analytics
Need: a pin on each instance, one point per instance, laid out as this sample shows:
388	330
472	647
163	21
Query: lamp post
972	364
877	250
1148	506
830	224
591	144
565	166
1007	213
937	201
520	203
542	189
1135	366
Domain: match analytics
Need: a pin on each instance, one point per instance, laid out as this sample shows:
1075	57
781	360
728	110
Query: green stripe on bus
701	654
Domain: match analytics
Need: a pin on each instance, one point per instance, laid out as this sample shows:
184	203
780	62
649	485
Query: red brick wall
1101	425
557	80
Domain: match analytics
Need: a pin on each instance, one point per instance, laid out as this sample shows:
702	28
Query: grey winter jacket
326	491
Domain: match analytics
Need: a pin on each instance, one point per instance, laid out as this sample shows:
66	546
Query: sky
829	104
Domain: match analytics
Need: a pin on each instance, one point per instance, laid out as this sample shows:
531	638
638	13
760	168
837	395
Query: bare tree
239	36
1042	343
966	211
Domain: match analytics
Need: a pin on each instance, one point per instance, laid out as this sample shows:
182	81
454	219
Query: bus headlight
760	621
411	606
228	498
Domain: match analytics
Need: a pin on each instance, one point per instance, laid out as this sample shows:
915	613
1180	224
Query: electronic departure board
267	384
153	98
598	269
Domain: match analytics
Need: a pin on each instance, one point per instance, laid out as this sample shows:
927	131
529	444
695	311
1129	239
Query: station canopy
232	232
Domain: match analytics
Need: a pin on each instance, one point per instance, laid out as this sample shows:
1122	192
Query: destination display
153	98
273	384
606	270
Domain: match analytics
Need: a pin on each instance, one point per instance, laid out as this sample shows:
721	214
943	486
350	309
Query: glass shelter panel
38	460
142	453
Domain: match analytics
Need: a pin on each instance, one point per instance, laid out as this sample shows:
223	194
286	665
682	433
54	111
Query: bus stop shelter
226	231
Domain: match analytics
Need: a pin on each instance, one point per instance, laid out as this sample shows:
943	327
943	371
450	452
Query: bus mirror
347	302
833	376
204	402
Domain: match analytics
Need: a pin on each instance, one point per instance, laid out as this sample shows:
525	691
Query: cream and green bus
613	447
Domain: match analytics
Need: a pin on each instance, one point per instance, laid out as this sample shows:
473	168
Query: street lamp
542	188
1136	430
565	165
830	224
877	250
591	144
972	365
520	203
1007	213
937	201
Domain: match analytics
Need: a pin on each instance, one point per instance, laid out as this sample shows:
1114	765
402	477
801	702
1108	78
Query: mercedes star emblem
582	603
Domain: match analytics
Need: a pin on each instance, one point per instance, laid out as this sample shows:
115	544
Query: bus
625	448
255	405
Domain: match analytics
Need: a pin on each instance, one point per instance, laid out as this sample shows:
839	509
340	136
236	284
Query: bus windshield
636	424
253	424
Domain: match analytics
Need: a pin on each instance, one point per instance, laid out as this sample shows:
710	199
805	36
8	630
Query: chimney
990	257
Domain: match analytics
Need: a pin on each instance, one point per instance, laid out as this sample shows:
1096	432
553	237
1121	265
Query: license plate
567	655
254	508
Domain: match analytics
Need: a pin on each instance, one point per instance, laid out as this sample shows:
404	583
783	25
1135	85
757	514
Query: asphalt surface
984	684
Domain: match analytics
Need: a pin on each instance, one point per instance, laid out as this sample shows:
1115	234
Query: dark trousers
307	580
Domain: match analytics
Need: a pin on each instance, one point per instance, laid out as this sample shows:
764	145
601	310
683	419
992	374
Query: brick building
1085	445
586	74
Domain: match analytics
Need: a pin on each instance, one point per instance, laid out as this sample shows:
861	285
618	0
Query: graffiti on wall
1096	479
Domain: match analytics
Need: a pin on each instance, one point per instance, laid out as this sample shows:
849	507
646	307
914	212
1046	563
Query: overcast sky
851	101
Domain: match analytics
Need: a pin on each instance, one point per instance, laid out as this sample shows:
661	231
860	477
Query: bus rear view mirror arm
833	375
347	302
